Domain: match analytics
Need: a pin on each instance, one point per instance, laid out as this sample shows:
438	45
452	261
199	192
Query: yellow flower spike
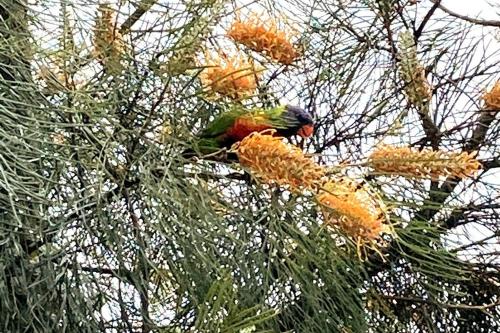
274	161
263	35
409	162
492	97
356	211
417	89
109	46
352	209
234	77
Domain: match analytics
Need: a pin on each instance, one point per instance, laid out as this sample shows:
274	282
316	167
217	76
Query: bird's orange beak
306	131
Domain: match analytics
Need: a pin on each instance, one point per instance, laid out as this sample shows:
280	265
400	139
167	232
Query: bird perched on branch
234	125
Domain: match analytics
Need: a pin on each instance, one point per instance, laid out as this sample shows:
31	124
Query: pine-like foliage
108	226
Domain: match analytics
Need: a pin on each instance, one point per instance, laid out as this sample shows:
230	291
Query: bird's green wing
222	122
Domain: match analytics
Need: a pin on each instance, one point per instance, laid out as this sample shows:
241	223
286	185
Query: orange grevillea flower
353	209
108	42
274	161
492	97
264	36
426	163
234	77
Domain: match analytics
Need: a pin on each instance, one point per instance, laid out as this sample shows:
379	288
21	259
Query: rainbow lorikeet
234	125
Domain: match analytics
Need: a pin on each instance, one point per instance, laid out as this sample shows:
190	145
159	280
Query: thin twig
445	305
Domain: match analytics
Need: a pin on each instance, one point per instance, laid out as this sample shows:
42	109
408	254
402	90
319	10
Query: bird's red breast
244	126
306	131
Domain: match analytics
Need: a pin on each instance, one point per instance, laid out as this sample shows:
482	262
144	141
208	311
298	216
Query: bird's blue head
303	118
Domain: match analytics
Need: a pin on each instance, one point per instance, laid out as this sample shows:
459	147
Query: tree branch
142	8
479	134
426	19
490	23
